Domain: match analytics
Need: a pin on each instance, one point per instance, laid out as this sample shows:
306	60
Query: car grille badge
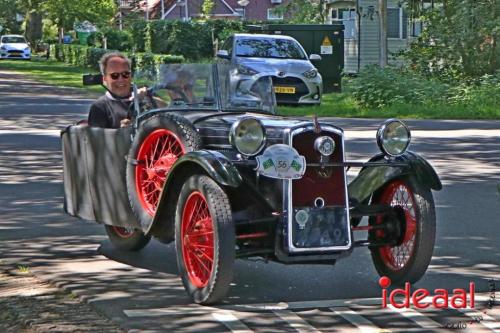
282	162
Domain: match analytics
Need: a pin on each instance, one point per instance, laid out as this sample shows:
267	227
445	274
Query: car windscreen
269	48
201	87
180	86
11	40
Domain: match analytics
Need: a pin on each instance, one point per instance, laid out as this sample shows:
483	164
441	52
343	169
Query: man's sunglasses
124	75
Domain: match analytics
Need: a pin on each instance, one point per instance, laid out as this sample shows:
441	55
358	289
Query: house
362	32
262	10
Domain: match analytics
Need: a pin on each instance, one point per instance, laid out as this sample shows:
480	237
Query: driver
112	109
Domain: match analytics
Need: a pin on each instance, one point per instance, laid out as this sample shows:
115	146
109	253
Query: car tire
203	218
145	179
127	239
406	261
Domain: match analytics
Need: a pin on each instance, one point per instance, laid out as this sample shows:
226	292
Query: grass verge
334	104
51	72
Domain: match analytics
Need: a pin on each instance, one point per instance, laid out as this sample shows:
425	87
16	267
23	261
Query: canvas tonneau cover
95	161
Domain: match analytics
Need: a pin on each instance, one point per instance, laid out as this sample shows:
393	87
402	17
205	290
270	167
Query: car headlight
311	74
244	70
248	136
393	137
27	49
3	48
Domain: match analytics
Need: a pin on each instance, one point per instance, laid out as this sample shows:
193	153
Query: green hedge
192	39
89	57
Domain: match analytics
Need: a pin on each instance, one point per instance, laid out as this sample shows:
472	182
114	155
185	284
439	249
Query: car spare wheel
158	143
127	239
204	239
411	231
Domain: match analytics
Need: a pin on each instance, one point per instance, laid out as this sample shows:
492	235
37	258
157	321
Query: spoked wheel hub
157	154
401	227
394	226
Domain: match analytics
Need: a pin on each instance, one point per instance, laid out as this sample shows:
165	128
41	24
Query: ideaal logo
460	298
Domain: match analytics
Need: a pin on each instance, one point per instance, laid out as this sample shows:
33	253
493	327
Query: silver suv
295	79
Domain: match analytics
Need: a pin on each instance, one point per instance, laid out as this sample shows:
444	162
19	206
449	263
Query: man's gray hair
103	63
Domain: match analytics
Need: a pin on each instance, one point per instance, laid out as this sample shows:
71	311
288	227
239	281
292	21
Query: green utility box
83	36
327	40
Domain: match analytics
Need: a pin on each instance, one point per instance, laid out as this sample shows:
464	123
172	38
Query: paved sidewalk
30	305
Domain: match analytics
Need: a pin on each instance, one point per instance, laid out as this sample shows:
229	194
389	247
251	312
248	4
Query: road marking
415	316
257	307
304	304
295	321
230	321
174	310
363	324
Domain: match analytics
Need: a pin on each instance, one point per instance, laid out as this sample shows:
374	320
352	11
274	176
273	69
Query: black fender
371	179
212	163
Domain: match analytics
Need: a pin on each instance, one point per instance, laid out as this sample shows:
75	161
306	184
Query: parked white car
296	80
14	47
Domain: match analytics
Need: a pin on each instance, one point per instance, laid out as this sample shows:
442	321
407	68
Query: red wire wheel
158	143
407	260
157	153
400	195
197	237
204	239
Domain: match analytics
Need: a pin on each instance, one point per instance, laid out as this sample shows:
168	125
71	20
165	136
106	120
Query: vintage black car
225	177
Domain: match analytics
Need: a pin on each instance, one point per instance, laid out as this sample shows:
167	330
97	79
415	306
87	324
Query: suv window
13	40
269	48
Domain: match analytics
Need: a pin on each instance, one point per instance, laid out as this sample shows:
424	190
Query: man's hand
125	122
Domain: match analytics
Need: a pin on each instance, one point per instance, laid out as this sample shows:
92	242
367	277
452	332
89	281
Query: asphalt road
142	292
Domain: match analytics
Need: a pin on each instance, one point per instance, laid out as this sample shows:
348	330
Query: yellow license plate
284	90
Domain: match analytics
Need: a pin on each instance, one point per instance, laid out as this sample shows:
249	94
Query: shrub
116	39
376	87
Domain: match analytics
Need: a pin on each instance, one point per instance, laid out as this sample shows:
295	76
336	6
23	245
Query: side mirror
223	54
92	79
315	57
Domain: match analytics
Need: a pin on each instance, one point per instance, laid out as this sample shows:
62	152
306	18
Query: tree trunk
61	34
34	27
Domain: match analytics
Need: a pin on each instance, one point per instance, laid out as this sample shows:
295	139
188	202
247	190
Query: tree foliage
8	10
304	11
207	7
66	12
459	40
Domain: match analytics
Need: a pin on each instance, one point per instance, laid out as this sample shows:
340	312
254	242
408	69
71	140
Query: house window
273	14
416	28
348	18
397	23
